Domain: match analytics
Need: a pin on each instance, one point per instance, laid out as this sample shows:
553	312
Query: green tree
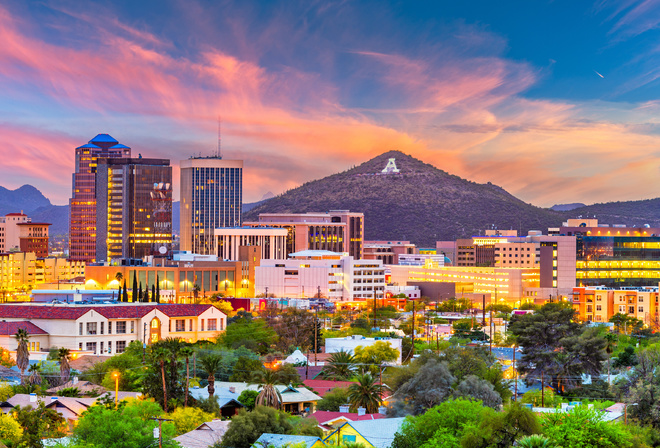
22	354
268	394
157	292
161	356
135	297
534	441
128	427
35	376
187	352
211	364
479	389
38	423
64	355
430	386
124	294
248	399
187	419
333	399
287	374
583	427
244	369
246	427
548	399
255	335
501	429
376	354
365	393
10	430
341	366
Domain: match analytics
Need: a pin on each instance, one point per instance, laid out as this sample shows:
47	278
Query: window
109	346
80	328
202	325
180	325
348	438
102	325
120	346
132	327
35	346
598	307
641	309
80	346
213	324
91	327
91	347
631	310
121	327
190	325
101	351
109	327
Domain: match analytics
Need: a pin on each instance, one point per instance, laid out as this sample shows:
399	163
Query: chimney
344	408
362	411
232	389
382	410
33	398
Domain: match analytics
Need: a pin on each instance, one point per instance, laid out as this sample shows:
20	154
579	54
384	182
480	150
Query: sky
555	101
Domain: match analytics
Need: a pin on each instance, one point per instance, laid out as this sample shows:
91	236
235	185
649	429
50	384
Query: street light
115	375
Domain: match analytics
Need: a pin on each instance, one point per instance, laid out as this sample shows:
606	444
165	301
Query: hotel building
133	208
82	228
211	197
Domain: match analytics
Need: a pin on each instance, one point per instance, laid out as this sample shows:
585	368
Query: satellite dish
162	250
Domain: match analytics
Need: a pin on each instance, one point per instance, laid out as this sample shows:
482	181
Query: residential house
205	435
329	421
370	433
267	440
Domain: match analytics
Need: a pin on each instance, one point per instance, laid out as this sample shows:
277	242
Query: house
329	421
205	435
295	400
84	387
107	329
267	440
370	433
322	387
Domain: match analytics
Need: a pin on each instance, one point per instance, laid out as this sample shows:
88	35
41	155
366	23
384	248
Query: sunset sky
556	101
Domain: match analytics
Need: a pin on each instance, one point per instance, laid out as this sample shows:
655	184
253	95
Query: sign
390	167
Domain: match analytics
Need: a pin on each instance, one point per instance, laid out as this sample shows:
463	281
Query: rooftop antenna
219	152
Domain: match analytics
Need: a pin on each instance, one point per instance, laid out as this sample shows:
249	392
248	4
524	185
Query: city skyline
506	95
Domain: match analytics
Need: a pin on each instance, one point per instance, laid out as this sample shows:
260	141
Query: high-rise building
133	208
33	237
82	228
211	197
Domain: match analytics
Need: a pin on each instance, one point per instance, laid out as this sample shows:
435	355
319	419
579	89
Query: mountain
421	203
57	215
630	213
566	207
26	198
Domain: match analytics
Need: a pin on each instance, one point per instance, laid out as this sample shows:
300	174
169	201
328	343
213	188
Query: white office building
271	240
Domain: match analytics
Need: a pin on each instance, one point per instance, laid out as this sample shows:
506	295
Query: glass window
121	346
121	327
91	327
180	325
213	324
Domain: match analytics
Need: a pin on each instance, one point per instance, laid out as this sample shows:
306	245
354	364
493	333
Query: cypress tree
119	294
140	296
153	293
146	294
135	297
157	296
124	297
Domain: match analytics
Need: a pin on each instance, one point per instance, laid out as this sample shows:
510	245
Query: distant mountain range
420	203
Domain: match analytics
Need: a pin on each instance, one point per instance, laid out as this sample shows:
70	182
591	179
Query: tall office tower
133	208
211	197
82	228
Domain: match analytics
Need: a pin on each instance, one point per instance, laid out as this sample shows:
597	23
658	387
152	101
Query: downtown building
211	198
19	233
82	225
133	208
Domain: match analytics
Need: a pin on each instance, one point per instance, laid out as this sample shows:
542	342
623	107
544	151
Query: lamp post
115	375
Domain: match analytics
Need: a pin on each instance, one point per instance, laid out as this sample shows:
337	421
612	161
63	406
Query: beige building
599	304
211	197
107	329
24	270
10	231
271	241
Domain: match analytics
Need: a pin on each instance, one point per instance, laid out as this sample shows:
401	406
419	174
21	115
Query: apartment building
21	271
599	304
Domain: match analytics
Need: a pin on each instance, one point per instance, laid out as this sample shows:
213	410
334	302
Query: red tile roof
322	387
15	214
109	312
34	224
326	416
10	328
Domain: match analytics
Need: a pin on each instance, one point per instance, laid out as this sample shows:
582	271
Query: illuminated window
213	324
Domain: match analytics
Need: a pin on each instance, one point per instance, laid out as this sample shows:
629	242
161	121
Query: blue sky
555	101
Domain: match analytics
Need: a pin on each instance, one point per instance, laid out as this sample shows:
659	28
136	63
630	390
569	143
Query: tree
128	427
376	354
161	355
287	374
157	291
333	399
473	387
583	427
187	352
340	366
187	419
626	358
140	295
153	294
38	423
244	369
254	334
501	429
64	355
35	376
146	297
534	441
246	427
366	393
295	328
225	307
10	430
625	324
211	364
124	295
431	385
22	354
268	393
248	399
135	297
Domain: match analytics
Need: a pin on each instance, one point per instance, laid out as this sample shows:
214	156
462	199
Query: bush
187	419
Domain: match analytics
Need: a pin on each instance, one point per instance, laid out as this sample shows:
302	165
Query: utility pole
542	390
515	375
490	326
412	333
374	326
316	328
160	429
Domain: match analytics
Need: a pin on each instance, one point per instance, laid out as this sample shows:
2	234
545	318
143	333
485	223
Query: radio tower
219	151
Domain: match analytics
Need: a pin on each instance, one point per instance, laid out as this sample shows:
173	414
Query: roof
82	386
75	405
324	417
69	312
380	433
103	138
280	440
15	214
289	394
310	372
322	387
31	223
314	253
119	146
85	362
205	435
89	146
10	328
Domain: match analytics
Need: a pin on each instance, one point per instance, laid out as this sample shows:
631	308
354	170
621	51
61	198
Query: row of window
120	347
99	327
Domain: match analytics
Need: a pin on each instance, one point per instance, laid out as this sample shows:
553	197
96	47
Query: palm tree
22	354
64	355
187	352
365	394
35	376
211	364
161	355
268	393
340	367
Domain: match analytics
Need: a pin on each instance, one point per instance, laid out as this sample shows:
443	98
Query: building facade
134	208
22	271
10	231
334	231
599	304
388	251
82	226
272	242
211	197
33	237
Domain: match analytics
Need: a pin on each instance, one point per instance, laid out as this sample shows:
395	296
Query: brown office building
82	228
33	237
